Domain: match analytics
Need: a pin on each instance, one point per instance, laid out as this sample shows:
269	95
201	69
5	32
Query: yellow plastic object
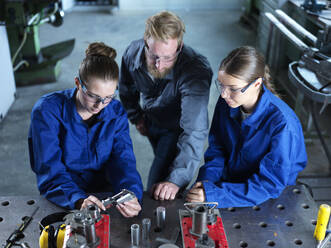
322	222
43	239
60	236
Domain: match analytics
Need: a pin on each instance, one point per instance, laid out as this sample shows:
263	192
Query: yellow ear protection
52	237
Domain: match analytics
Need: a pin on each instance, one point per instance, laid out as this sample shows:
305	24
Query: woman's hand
196	193
130	208
91	200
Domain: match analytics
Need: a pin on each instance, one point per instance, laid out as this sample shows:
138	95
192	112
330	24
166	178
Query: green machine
31	63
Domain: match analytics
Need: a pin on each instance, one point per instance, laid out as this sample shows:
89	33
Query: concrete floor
213	33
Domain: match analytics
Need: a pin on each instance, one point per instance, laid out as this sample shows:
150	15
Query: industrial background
54	46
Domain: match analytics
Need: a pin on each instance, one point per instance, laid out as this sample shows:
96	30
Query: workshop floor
213	33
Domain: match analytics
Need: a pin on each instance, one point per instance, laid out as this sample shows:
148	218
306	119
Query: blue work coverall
70	158
250	161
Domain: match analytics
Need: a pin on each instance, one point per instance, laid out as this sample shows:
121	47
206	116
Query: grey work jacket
177	102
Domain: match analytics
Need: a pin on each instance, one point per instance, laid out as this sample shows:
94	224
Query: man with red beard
164	86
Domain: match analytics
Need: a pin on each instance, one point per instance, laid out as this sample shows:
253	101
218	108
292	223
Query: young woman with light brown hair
256	145
79	138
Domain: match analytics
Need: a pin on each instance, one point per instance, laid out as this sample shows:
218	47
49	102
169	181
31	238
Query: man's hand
141	126
164	191
196	193
89	201
130	208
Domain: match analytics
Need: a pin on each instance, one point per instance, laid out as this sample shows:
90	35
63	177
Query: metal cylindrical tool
199	220
296	26
146	228
160	217
135	235
90	232
292	38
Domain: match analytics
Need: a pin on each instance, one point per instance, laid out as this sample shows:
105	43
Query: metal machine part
202	226
160	218
296	26
123	196
199	226
33	64
202	215
312	58
320	65
205	242
313	5
321	42
83	223
312	73
94	212
211	216
145	233
295	40
135	235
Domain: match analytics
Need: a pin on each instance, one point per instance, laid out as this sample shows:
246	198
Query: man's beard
157	74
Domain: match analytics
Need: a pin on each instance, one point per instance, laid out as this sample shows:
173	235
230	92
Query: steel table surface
286	222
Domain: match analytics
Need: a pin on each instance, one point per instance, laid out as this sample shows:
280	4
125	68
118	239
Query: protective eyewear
95	98
165	59
221	87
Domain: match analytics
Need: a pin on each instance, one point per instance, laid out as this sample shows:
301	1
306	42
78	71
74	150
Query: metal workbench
286	222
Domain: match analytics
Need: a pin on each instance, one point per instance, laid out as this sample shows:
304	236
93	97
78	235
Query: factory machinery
33	64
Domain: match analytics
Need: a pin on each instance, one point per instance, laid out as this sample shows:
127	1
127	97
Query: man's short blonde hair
163	26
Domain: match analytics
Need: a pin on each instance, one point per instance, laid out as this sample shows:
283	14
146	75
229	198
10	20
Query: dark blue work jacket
70	158
250	161
177	102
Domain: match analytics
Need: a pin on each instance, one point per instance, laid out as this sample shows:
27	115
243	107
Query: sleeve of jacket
54	182
128	92
278	168
213	168
122	170
194	91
